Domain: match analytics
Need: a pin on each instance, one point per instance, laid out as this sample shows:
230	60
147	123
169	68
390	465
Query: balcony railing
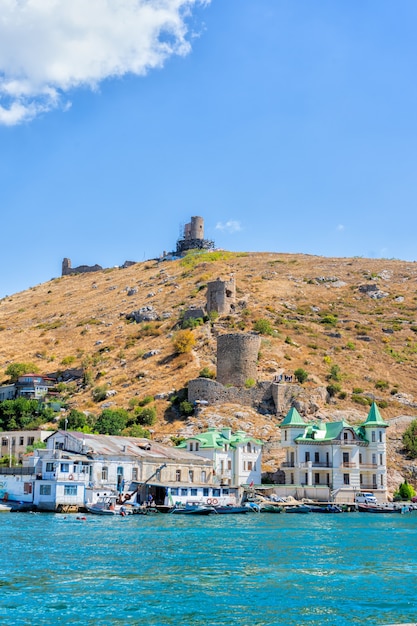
368	465
368	486
349	465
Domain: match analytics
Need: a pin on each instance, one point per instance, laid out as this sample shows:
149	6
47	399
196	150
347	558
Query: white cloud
231	226
48	47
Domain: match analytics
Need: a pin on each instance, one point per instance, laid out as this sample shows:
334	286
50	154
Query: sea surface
227	570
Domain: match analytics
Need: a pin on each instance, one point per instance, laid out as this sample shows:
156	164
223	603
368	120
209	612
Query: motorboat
193	509
107	505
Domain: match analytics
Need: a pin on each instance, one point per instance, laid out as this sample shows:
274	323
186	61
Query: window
317	457
345	436
346	479
216	493
249	447
380	436
203	476
4	441
225	492
250	466
360	479
193	492
31	441
184	492
360	458
174	491
70	490
104	473
134	473
191	447
292	479
373	436
49	467
197	447
178	475
381	459
307	457
27	488
190	476
374	459
222	466
205	491
285	435
21	441
45	490
65	468
317	479
382	480
306	478
229	464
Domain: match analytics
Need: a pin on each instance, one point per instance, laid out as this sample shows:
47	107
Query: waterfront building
15	442
236	457
336	456
78	468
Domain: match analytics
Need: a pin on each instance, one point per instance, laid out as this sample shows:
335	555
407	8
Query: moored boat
298	508
370	508
270	508
329	508
193	509
232	510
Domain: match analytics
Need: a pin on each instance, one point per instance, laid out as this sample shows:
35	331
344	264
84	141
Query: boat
270	508
106	505
193	509
329	508
230	509
5	508
370	508
298	508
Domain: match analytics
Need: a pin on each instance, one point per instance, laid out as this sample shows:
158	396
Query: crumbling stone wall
221	296
215	393
237	358
81	269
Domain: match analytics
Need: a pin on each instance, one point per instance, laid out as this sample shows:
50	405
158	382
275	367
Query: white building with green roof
343	458
236	457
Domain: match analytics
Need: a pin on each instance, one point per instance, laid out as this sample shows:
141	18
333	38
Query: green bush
206	372
99	393
333	389
264	327
405	491
249	383
146	417
335	373
186	408
192	322
329	320
364	401
301	375
381	384
410	440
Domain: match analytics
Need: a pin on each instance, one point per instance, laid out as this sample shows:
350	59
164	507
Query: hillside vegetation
349	323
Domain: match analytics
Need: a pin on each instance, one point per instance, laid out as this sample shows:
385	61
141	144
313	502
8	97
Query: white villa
335	456
236	458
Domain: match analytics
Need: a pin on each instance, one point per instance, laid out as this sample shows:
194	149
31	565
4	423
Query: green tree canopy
14	370
410	440
111	421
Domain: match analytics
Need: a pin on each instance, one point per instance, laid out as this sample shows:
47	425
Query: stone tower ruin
221	296
237	358
193	237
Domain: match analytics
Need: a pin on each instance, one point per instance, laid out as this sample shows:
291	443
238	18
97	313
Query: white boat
107	505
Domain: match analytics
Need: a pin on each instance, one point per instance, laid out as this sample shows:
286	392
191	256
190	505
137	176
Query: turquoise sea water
227	570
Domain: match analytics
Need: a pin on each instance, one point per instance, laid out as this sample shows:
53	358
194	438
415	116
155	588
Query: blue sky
289	125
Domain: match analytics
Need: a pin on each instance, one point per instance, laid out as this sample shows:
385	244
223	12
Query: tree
301	375
405	491
75	420
147	416
111	422
14	370
410	440
183	341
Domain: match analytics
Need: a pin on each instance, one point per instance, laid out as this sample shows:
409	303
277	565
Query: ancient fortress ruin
193	237
221	296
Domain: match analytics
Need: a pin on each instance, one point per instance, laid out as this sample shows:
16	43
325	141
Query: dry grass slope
322	320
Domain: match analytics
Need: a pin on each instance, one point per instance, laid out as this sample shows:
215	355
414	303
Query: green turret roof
293	418
212	438
328	431
374	417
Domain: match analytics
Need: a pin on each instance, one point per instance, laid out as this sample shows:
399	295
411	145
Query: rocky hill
350	324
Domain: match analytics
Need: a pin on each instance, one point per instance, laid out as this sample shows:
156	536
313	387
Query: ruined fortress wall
67	270
237	357
221	296
215	393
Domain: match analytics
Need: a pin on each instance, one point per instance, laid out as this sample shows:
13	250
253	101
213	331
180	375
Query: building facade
336	455
235	457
